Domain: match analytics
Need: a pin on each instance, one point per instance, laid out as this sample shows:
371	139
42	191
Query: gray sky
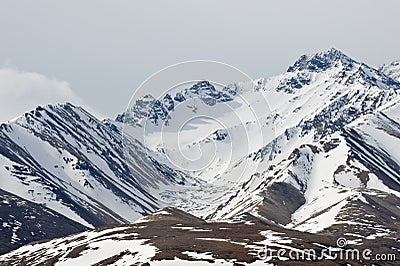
105	49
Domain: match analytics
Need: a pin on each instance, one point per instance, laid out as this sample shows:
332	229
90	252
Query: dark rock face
220	134
158	111
168	102
321	61
179	97
375	159
280	201
208	94
138	111
294	83
23	222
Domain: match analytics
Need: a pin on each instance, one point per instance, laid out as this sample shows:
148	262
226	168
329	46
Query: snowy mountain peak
63	157
391	70
139	111
322	61
334	66
330	162
157	110
208	93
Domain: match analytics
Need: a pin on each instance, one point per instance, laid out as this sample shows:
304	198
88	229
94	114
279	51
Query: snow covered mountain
157	110
311	150
63	158
320	105
311	154
392	70
321	162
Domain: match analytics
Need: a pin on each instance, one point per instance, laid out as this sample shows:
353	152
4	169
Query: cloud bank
22	91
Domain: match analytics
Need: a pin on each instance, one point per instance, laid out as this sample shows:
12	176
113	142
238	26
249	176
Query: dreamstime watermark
330	253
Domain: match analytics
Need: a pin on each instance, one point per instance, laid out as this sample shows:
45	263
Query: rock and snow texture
318	163
336	125
23	222
331	166
64	158
173	237
392	70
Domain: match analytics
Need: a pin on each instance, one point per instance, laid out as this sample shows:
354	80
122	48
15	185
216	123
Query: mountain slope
324	100
316	108
23	222
391	70
317	161
64	158
171	237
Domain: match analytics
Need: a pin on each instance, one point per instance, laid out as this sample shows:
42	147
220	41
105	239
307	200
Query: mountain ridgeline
330	170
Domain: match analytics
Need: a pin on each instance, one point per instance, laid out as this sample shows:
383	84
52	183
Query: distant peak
321	61
394	63
391	70
146	98
200	86
333	51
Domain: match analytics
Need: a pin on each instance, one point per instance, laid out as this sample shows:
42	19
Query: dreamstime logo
341	242
200	118
330	253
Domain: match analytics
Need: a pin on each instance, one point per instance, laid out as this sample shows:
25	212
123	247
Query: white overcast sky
98	52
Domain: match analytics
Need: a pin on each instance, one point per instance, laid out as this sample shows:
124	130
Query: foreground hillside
171	237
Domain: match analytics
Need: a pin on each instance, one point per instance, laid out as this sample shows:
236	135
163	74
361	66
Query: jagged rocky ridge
61	157
156	110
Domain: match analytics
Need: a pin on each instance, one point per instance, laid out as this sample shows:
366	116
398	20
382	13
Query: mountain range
296	161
